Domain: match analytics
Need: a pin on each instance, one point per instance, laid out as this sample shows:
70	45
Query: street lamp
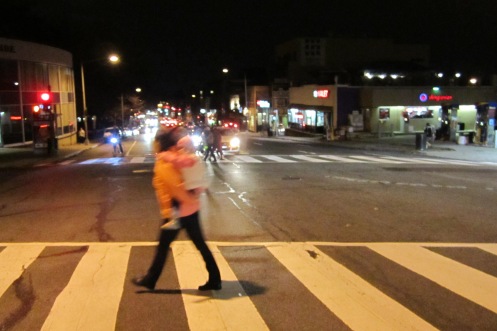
113	59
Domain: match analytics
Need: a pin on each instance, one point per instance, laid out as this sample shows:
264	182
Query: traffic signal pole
85	111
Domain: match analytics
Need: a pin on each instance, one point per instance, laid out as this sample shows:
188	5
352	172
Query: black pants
192	226
210	153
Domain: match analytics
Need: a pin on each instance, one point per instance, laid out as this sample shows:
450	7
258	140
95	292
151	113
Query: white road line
410	160
341	159
13	262
246	159
238	310
130	148
277	159
470	283
309	159
357	303
91	299
455	162
229	309
137	159
375	159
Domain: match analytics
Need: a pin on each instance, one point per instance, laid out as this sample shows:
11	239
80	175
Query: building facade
453	111
27	70
334	60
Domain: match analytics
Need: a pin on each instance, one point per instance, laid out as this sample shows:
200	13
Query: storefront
28	69
453	111
312	109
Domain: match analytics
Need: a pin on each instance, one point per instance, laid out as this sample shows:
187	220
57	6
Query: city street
307	237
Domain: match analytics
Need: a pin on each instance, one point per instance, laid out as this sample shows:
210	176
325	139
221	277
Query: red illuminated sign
433	97
423	97
15	118
321	94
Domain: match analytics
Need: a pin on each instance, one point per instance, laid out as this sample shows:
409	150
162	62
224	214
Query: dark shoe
143	281
210	286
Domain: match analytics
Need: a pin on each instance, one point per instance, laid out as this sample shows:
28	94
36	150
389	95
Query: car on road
230	141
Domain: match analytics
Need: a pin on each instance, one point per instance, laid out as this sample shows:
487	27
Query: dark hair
168	138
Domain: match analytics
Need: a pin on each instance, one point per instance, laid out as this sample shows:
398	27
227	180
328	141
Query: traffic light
45	99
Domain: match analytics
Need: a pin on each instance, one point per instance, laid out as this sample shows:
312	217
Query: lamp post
137	90
113	59
85	110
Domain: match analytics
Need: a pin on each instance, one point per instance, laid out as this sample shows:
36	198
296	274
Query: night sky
171	46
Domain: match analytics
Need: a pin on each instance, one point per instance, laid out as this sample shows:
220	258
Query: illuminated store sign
423	97
263	103
321	94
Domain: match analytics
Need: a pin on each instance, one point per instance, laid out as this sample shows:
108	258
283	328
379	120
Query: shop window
384	113
417	112
34	76
8	78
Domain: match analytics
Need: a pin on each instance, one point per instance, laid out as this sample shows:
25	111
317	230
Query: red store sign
321	94
423	97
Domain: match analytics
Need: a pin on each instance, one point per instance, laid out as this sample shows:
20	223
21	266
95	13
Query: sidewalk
407	144
23	156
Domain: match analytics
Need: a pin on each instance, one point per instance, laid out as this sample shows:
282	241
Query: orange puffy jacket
168	185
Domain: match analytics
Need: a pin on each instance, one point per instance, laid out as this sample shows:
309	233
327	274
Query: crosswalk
266	286
289	159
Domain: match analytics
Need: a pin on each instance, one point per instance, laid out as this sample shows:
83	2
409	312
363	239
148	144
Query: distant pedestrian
218	144
81	135
430	135
209	142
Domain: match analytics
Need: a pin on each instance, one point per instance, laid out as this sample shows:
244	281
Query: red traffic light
45	97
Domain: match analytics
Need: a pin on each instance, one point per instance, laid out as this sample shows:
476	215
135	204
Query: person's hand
198	191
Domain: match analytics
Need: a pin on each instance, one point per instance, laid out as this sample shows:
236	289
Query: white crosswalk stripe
232	310
343	292
472	284
295	158
92	297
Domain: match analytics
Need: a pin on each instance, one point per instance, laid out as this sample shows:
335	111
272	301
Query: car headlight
197	140
235	142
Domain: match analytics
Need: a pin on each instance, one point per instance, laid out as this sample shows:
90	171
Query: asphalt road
307	237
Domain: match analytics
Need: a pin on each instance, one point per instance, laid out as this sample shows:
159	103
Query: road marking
357	303
341	159
454	162
137	159
277	159
229	309
247	159
91	299
412	160
309	159
470	283
375	159
13	262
